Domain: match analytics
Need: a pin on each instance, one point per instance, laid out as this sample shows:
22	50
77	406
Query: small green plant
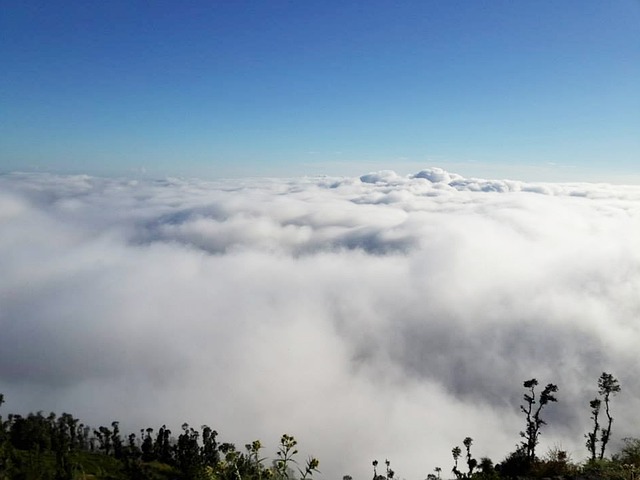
286	451
253	454
310	467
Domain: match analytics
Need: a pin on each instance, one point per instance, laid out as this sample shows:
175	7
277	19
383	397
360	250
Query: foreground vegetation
61	448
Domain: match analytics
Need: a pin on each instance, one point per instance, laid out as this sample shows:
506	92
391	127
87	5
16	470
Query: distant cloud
384	316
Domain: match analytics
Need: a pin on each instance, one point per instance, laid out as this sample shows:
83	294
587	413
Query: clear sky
547	89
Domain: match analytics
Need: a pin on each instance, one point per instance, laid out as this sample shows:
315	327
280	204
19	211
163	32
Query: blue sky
534	90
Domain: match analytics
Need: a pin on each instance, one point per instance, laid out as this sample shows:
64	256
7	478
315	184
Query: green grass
30	465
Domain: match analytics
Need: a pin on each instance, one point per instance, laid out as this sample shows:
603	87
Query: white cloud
380	317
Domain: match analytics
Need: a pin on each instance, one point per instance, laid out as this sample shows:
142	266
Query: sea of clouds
384	316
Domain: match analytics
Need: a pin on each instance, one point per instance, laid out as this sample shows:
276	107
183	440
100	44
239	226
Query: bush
630	453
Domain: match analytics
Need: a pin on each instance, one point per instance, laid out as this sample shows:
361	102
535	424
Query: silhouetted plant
148	453
116	441
630	452
103	435
607	386
556	463
471	462
162	448
487	469
516	464
533	420
209	450
34	430
456	452
592	437
188	457
375	469
389	473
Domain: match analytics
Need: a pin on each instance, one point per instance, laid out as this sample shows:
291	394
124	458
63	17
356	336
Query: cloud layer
375	317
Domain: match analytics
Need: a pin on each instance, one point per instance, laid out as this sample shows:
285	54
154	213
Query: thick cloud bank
379	317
